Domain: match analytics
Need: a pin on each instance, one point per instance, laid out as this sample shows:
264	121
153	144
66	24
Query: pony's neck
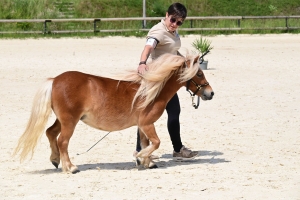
170	88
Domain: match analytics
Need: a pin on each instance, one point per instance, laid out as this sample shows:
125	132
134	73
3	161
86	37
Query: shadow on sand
166	161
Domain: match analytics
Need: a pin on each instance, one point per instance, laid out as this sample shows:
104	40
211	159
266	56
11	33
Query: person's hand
142	68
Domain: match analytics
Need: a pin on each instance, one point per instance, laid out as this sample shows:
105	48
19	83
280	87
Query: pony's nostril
212	93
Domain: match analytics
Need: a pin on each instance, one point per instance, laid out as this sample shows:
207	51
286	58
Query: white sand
248	136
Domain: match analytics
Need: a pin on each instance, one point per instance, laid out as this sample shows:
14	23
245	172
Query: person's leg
180	153
173	110
138	142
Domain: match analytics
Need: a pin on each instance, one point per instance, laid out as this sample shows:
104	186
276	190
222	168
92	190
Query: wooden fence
190	20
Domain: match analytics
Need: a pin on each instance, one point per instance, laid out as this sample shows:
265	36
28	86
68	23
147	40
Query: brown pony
109	104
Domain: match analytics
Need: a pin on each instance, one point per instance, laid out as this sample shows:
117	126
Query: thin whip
94	144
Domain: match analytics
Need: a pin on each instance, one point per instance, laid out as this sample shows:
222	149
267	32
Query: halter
199	87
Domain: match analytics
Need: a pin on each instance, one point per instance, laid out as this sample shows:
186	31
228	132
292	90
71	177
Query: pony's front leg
63	143
147	132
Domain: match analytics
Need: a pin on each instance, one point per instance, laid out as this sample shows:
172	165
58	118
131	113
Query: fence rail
94	22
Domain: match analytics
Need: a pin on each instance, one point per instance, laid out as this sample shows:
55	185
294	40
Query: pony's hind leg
52	133
67	129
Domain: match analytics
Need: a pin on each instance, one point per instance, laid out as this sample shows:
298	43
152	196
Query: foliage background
50	9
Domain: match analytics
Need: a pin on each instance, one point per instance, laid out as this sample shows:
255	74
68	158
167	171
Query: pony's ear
187	63
196	59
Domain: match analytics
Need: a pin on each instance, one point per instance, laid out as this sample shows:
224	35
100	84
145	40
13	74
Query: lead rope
192	95
198	102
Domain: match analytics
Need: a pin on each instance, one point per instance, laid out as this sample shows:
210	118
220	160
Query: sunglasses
173	20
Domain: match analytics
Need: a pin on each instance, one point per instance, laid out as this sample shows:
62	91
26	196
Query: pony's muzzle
207	95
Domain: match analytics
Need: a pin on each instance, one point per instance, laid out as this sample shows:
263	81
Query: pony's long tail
40	113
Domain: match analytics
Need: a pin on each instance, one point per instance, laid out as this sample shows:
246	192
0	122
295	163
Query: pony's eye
199	75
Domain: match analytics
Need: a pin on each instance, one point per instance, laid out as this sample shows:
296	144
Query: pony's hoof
154	166
55	164
138	162
74	170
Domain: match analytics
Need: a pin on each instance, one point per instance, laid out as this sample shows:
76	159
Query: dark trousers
173	111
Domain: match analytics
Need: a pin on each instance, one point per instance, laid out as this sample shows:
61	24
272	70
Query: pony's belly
109	124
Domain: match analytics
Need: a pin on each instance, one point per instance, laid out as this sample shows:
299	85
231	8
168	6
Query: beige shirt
168	42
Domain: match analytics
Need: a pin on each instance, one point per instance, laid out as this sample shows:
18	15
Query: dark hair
177	10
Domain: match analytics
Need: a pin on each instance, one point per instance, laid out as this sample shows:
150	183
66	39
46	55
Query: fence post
144	13
286	23
239	23
45	25
95	25
191	23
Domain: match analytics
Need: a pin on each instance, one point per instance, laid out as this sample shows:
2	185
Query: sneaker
185	154
153	157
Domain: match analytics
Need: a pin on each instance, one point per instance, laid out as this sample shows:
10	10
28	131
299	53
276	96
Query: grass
48	9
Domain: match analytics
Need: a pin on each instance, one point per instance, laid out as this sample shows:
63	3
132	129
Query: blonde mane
159	71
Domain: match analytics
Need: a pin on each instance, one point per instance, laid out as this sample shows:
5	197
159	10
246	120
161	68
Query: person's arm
149	47
144	56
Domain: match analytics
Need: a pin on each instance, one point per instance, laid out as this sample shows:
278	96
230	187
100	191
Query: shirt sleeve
152	42
156	33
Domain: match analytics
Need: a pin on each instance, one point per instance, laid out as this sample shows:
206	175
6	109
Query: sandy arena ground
248	136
